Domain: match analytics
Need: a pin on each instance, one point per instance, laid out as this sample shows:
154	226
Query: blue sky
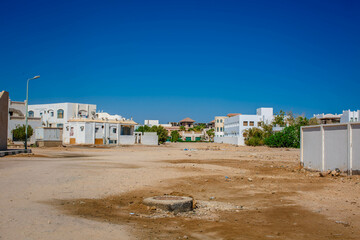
169	60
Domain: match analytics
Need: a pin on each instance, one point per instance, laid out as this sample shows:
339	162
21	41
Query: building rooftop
331	116
187	120
125	122
233	114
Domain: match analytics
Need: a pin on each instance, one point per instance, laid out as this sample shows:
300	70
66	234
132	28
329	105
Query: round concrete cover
170	203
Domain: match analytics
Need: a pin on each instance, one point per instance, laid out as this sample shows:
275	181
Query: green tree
279	119
301	121
290	119
314	121
143	129
161	132
182	128
211	134
288	137
200	127
19	133
268	129
254	136
175	136
191	129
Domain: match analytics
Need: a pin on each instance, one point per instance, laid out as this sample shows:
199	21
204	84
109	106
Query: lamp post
27	113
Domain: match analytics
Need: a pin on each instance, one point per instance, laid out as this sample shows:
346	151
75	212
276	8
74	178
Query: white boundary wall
326	147
229	140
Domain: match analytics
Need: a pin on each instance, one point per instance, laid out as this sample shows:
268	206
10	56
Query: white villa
98	131
105	129
57	114
234	126
346	116
350	116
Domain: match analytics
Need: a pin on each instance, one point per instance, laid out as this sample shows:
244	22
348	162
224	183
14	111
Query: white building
106	116
98	131
16	117
151	123
234	126
57	114
350	116
108	129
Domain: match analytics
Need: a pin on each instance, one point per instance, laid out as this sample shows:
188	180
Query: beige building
219	126
4	112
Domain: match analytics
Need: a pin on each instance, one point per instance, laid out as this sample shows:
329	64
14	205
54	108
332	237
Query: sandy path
29	184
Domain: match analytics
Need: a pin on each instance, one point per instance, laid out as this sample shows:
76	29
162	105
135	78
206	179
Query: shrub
175	136
161	132
254	141
19	133
288	137
254	136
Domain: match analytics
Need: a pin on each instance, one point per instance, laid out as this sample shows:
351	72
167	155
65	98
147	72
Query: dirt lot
240	193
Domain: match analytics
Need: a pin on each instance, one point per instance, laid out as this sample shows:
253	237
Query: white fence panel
355	150
336	147
327	147
312	155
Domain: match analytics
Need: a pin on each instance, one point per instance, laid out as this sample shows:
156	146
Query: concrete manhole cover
170	203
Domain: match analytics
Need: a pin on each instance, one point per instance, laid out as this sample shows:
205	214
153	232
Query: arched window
60	113
31	113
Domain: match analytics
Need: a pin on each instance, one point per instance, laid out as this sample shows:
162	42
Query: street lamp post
27	113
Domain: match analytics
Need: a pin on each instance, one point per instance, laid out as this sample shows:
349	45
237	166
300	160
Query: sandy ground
240	193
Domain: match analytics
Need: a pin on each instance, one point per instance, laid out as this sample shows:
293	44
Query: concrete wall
228	140
4	115
355	153
150	138
48	134
327	147
127	139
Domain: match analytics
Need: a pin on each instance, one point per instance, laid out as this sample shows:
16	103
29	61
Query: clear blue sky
169	60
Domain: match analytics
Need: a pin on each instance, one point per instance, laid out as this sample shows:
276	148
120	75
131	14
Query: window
251	123
245	123
82	128
217	121
96	129
217	129
31	114
60	125
51	112
221	120
114	130
41	114
221	129
60	113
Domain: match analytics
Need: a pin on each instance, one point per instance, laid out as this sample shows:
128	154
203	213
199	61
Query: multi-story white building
57	114
350	116
234	126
